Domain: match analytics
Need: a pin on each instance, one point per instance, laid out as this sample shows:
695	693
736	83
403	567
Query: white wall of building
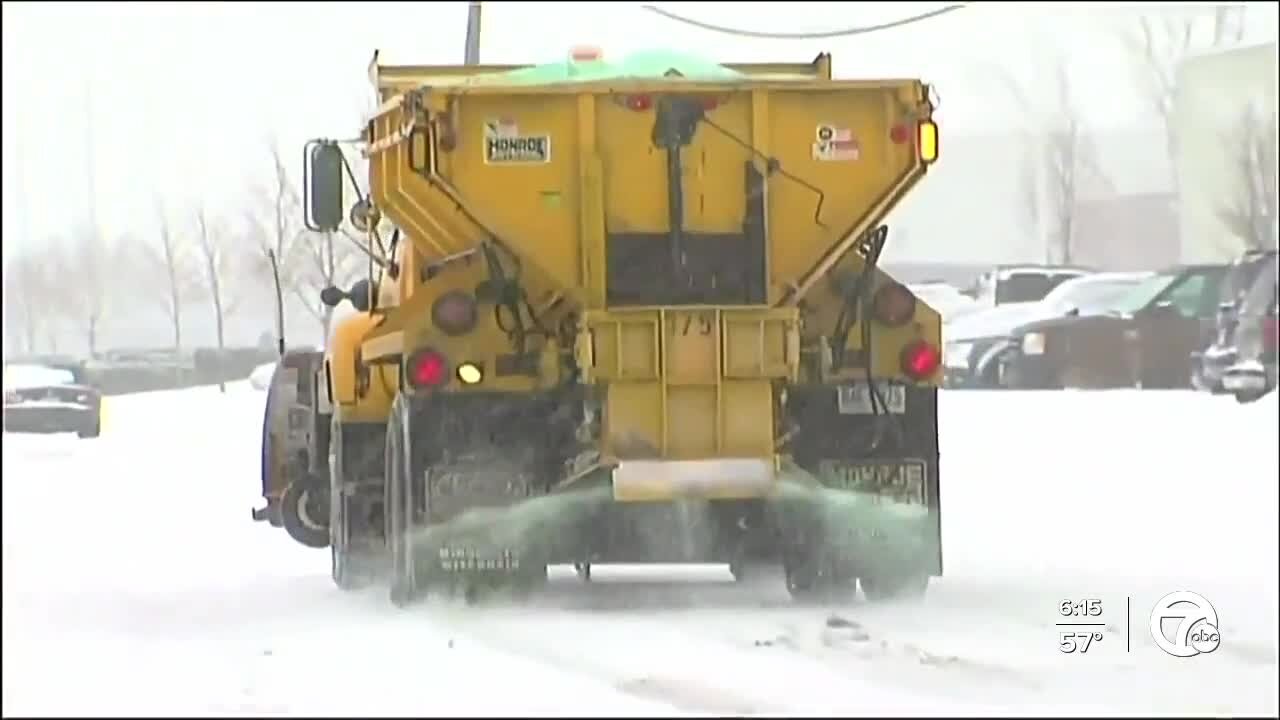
1214	90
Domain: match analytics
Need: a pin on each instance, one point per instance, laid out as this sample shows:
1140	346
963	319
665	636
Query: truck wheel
398	506
305	513
886	588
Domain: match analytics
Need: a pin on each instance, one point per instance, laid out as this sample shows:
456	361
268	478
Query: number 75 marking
702	326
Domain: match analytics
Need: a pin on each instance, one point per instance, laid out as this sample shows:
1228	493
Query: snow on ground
135	583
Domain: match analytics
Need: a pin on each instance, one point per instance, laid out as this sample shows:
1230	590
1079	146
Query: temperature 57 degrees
1078	642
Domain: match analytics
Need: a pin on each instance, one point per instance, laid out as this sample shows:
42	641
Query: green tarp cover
648	65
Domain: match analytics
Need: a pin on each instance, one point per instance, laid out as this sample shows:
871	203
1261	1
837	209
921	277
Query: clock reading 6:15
1081	608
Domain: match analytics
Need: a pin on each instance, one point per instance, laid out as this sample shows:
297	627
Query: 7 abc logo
1196	629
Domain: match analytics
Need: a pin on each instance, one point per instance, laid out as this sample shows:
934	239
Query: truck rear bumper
49	418
718	479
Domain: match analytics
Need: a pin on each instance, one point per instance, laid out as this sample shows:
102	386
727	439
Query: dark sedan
1144	339
975	342
1256	339
1245	299
50	398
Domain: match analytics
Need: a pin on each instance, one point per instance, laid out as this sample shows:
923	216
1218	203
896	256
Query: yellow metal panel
512	196
625	345
714	166
747	417
692	422
711	397
591	206
761	344
633	420
604	176
628	155
853	184
760	145
692	344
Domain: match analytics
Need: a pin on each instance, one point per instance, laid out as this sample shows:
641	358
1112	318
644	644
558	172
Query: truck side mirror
322	183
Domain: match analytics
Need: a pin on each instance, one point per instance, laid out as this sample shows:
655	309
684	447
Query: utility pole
91	196
25	341
472	56
89	159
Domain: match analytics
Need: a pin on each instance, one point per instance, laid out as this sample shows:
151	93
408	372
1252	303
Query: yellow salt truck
625	312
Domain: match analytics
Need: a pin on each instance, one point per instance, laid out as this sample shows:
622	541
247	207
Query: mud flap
270	513
849	533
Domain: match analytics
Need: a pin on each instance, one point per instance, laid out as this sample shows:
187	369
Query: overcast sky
178	101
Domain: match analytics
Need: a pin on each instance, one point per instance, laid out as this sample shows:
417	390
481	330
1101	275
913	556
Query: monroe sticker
503	144
835	144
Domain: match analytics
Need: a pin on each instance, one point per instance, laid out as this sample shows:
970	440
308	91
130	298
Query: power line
846	32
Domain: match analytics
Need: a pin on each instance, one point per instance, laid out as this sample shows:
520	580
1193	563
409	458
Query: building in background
1224	111
978	204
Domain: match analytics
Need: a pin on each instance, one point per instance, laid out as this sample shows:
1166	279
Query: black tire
398	507
92	431
1244	397
810	579
304	511
886	589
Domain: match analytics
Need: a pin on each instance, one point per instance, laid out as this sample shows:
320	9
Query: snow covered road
135	585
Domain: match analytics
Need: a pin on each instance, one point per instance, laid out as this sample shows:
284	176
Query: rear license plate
856	399
899	480
466	559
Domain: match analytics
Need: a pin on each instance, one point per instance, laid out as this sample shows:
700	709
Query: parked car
1141	340
1255	338
1020	283
1251	268
946	299
50	397
974	342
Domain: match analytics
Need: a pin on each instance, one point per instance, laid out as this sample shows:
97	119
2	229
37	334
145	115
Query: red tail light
920	360
426	368
893	305
639	103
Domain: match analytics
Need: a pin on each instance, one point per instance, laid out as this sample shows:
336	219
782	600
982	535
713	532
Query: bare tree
1069	154
87	265
220	263
328	261
1163	41
1029	173
26	291
1250	213
277	227
171	254
1060	158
